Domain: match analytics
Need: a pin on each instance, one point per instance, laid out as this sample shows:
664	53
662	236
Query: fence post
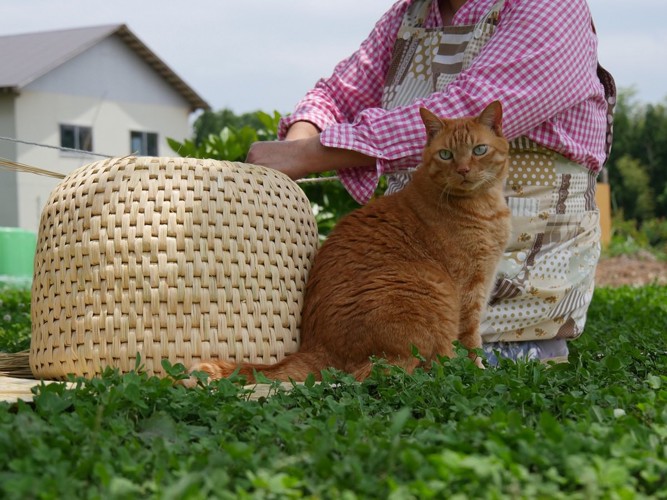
603	201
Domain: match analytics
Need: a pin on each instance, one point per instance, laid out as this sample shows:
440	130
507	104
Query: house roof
26	57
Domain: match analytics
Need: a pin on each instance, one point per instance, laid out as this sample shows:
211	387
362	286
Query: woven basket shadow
168	258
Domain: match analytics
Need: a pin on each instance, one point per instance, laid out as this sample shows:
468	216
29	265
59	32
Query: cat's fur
413	268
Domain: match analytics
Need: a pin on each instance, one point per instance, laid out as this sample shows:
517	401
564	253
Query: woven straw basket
168	258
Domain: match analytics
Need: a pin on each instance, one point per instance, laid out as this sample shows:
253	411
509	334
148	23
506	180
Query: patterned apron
545	279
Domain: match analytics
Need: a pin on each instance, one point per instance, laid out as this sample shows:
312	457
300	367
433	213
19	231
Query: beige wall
39	115
8	178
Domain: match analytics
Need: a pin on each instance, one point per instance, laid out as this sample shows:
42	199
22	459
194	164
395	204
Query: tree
213	122
636	196
654	148
639	157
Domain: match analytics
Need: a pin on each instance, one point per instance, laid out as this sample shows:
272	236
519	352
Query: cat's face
466	155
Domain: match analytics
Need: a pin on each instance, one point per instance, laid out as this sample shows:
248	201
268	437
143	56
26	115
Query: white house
98	89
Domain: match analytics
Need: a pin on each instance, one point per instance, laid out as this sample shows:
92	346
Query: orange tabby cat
414	268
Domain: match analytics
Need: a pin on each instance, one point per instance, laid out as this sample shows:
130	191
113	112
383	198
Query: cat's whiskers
489	179
443	200
482	182
486	179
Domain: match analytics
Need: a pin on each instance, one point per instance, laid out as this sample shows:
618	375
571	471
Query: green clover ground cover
594	428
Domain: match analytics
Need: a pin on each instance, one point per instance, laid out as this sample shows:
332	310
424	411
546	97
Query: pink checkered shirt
541	64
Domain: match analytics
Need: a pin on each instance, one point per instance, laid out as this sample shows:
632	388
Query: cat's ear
432	123
492	117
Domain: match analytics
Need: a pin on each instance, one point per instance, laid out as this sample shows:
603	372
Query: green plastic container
17	255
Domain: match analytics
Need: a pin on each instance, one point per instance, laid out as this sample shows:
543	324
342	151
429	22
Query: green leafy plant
636	198
230	143
631	238
593	428
15	325
655	231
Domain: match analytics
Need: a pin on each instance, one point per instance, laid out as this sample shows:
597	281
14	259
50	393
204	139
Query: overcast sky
264	54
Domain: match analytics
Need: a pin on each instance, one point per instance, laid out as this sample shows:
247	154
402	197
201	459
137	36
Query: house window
143	143
76	137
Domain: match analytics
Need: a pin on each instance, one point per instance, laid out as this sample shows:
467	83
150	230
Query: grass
593	428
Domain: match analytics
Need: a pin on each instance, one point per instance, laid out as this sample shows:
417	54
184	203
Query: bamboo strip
22	167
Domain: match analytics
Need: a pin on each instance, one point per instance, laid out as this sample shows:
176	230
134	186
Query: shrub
15	323
655	231
625	237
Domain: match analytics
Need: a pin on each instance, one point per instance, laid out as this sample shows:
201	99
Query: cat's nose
463	170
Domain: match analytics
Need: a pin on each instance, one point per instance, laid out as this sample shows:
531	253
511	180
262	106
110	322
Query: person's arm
300	157
540	63
301	130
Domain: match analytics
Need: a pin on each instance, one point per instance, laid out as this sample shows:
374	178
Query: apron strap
610	96
416	15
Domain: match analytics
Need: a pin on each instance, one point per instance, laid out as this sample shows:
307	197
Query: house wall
8	178
111	71
108	88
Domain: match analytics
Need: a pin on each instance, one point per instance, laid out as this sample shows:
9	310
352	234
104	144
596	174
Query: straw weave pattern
170	258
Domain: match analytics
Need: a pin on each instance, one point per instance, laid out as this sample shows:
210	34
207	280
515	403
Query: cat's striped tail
294	367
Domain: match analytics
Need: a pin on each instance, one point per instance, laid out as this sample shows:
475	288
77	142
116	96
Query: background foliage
638	164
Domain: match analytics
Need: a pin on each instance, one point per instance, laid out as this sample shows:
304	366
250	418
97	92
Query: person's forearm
301	157
328	158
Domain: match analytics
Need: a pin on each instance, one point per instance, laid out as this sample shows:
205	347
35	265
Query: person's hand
300	157
293	158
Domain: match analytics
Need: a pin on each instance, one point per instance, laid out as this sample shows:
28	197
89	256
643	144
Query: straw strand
59	148
22	167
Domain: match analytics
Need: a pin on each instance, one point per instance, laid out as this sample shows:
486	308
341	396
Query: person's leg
546	277
555	350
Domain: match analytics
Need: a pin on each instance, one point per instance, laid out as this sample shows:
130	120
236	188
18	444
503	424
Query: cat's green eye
445	154
480	149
